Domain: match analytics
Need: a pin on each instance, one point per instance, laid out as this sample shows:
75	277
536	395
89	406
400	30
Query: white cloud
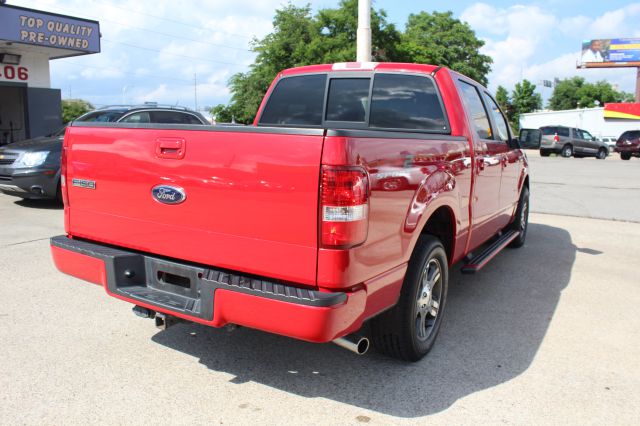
519	37
210	39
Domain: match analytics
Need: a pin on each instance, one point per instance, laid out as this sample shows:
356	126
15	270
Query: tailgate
250	194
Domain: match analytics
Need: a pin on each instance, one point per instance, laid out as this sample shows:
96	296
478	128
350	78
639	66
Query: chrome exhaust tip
354	343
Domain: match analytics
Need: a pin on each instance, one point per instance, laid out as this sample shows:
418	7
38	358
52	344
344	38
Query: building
29	39
610	120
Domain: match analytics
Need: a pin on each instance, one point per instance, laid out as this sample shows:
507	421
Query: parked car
610	141
571	142
31	168
309	222
628	144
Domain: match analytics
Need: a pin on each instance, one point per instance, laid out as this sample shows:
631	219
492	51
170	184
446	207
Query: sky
185	52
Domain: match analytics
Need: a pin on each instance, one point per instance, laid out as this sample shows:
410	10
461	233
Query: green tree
524	97
438	38
74	108
299	38
504	100
565	93
599	93
575	92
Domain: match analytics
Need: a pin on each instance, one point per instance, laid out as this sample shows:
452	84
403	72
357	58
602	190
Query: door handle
171	148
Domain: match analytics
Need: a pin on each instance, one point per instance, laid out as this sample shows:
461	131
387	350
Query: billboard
22	25
610	52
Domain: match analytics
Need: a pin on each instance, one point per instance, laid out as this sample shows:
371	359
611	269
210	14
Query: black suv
31	168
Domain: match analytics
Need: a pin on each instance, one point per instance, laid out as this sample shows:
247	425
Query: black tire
544	153
567	151
625	156
409	330
521	221
602	154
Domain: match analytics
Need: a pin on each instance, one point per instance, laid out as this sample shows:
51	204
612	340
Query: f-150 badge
167	194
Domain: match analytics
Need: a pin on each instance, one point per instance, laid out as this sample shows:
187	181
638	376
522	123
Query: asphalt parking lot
548	334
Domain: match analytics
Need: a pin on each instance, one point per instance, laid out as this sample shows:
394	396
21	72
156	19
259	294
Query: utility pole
363	46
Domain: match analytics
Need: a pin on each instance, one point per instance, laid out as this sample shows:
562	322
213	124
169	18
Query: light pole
363	44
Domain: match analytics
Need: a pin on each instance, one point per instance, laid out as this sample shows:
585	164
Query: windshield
103	116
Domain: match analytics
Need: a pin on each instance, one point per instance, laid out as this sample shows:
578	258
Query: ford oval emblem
167	194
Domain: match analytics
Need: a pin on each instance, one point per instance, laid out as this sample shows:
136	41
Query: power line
190	25
177	36
173	54
119	69
242	49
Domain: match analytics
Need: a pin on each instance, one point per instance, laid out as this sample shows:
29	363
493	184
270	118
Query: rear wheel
567	151
625	155
602	154
544	153
521	221
409	330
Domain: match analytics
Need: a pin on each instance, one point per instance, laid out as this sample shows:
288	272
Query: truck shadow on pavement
495	323
40	204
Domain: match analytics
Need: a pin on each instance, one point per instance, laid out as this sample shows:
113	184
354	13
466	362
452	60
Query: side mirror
593	138
514	143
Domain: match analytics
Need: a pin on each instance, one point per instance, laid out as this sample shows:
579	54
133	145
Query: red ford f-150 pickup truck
347	200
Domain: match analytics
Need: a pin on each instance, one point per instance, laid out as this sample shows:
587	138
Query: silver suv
571	142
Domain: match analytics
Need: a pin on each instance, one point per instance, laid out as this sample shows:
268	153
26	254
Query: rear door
590	145
488	174
240	198
511	165
577	141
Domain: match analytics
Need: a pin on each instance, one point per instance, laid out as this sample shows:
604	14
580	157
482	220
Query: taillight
556	138
344	206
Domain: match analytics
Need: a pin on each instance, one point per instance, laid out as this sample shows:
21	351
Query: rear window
392	101
406	102
552	130
296	100
635	134
348	99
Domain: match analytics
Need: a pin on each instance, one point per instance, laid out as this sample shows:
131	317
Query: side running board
482	258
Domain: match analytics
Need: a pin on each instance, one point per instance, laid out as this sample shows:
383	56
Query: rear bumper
551	146
210	296
630	149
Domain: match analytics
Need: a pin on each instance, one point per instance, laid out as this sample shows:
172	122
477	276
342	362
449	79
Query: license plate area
162	283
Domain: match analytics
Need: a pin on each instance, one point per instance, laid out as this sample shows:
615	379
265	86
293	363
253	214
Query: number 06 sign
13	73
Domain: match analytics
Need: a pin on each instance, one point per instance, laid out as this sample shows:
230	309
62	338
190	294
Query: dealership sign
28	26
610	52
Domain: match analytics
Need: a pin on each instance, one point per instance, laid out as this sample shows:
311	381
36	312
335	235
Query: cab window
471	99
502	132
406	102
137	117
